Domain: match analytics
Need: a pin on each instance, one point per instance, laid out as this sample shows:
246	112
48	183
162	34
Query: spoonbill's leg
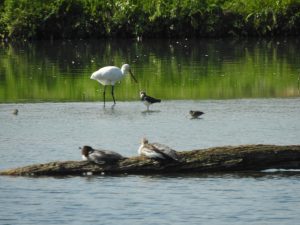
113	94
104	95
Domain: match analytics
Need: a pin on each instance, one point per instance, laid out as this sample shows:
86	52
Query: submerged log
218	159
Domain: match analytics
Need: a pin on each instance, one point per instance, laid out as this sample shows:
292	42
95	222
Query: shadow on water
269	174
149	112
199	118
234	175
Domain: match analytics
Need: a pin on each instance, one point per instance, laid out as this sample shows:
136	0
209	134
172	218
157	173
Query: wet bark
218	159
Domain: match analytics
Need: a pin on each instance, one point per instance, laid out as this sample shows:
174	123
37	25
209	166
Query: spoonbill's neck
125	69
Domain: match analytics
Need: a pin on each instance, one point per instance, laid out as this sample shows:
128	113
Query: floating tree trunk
218	159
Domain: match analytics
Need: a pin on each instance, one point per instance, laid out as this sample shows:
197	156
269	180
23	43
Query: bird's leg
112	93
104	95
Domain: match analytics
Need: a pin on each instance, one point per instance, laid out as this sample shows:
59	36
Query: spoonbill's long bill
109	75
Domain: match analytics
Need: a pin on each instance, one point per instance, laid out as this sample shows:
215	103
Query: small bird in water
148	100
196	114
109	75
157	151
100	156
15	112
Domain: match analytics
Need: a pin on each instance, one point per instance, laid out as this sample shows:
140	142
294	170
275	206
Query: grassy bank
47	19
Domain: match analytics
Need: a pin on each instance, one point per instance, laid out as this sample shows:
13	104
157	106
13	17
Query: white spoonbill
109	75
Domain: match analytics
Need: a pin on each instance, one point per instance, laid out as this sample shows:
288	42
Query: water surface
50	131
199	199
248	90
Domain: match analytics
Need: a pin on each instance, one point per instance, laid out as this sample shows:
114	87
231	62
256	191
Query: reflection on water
183	69
211	199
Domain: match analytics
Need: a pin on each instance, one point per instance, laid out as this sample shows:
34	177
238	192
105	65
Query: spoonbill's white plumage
99	156
157	151
109	75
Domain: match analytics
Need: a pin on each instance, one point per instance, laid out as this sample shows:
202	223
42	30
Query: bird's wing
112	154
151	99
97	156
152	152
104	156
107	75
166	150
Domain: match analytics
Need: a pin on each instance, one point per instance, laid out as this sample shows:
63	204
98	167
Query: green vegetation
168	69
77	19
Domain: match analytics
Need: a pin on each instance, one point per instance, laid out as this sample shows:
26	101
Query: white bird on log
157	151
196	114
109	75
148	100
100	156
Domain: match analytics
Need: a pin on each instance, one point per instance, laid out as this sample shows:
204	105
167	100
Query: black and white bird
196	114
148	100
100	156
157	151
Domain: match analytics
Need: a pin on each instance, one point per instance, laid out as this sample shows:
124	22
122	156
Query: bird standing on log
100	156
148	100
109	75
157	151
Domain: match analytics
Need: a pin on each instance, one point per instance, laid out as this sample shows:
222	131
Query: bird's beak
131	74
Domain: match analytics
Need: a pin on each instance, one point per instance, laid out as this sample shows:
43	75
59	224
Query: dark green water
177	69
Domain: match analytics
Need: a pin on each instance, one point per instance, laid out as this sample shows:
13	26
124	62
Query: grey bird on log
157	151
100	156
224	159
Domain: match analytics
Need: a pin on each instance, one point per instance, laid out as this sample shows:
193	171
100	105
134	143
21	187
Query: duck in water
15	112
196	114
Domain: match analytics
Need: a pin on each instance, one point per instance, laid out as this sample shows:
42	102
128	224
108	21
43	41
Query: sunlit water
260	77
199	199
44	132
52	131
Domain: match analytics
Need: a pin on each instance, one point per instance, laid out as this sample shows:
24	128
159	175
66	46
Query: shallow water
198	199
44	132
260	77
52	131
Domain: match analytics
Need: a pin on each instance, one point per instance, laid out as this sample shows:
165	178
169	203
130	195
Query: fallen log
218	159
